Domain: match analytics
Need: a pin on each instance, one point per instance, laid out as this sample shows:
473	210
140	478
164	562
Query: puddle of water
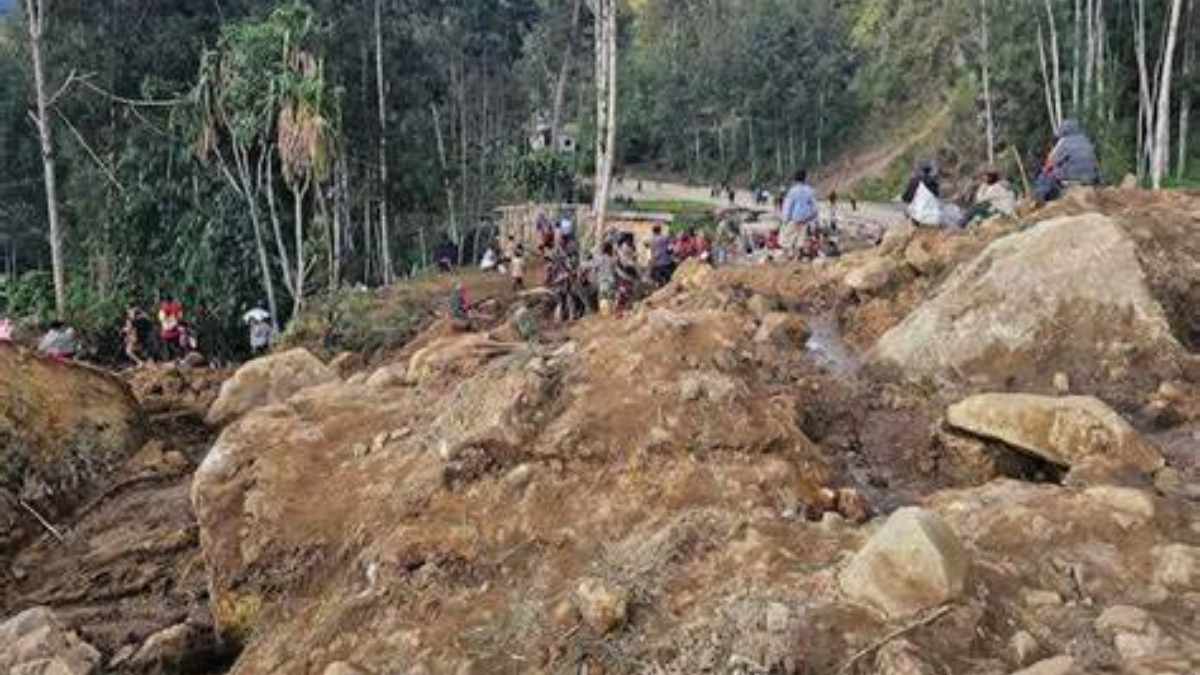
829	349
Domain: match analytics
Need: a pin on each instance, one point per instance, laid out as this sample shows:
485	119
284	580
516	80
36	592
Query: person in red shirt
170	315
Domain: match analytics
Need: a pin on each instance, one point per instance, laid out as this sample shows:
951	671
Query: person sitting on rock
925	173
994	197
1072	161
60	342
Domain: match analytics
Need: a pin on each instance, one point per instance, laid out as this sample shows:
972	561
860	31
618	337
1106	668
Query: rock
168	648
853	506
897	238
64	429
1062	383
34	642
519	477
871	277
1177	566
782	330
268	380
1024	648
715	387
1039	598
1059	665
900	657
1129	501
345	363
343	668
122	657
913	563
1129	182
760	306
1134	633
1063	431
602	607
1070	290
920	258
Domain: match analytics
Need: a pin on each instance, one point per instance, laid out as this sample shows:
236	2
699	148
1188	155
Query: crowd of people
167	336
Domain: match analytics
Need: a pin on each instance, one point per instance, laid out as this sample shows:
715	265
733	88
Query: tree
1162	136
384	230
606	108
35	18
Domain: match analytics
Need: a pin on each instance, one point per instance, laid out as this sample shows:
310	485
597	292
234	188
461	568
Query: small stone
519	476
1059	665
900	657
122	657
602	607
1024	648
832	521
1062	383
852	505
691	389
1134	632
1039	598
779	618
380	441
343	668
914	562
1177	566
1126	500
169	646
360	450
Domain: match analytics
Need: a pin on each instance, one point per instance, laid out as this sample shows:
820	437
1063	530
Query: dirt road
877	213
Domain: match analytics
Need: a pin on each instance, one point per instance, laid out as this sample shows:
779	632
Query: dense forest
238	152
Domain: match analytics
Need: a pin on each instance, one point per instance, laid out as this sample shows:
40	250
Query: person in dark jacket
926	173
1071	161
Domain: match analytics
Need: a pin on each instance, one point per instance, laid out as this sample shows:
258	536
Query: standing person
261	330
60	342
662	264
170	315
517	267
627	272
604	269
800	211
137	333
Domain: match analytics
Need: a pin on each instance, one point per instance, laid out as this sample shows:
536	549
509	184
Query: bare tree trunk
1160	161
1076	65
1145	110
36	20
441	146
1046	85
268	160
299	192
606	109
1089	59
384	231
564	71
1185	99
985	40
1056	65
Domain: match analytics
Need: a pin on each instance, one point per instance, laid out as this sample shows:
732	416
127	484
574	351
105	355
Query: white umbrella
256	314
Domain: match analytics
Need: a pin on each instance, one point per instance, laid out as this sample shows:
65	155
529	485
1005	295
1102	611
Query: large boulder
270	379
873	276
64	428
1067	291
1064	431
35	642
913	563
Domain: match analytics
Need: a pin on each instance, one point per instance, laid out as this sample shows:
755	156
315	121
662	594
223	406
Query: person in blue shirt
800	210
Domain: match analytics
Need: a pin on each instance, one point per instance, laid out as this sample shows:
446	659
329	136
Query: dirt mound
64	428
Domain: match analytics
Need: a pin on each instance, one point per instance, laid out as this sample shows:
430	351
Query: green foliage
356	321
544	176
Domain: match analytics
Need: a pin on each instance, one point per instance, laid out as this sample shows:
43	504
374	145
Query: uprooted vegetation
720	481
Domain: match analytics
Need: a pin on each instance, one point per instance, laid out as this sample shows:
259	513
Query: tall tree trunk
1056	65
36	20
564	72
1185	98
285	262
1145	109
1046	82
1160	161
1076	65
441	146
299	192
1089	59
385	250
606	109
985	40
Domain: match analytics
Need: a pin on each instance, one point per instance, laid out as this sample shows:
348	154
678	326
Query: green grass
677	207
